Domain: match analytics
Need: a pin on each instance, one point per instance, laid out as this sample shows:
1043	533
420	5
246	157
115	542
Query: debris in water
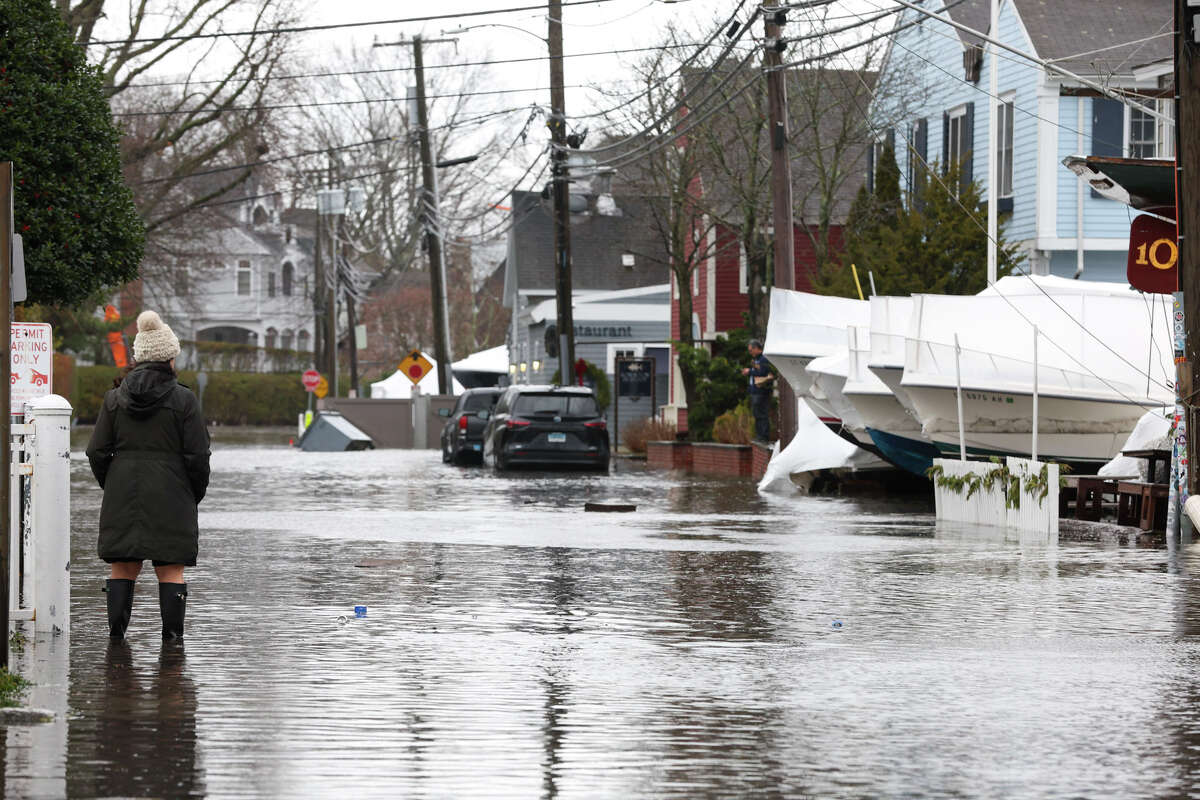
360	611
837	623
623	508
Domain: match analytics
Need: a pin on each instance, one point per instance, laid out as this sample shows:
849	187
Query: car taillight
597	424
462	422
515	423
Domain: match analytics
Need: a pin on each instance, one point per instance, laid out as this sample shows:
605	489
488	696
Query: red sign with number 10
1153	256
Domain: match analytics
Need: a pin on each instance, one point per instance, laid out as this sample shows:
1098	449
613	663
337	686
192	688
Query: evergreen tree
80	228
938	245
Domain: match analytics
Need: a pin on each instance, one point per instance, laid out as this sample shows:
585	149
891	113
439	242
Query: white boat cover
811	325
859	378
1152	432
1052	284
397	386
889	325
1090	345
814	447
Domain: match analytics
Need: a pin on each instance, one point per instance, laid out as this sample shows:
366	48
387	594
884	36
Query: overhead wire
428	67
338	25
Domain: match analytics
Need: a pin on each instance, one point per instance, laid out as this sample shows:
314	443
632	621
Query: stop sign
310	379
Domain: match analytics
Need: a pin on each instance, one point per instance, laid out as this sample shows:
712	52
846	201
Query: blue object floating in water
360	611
837	623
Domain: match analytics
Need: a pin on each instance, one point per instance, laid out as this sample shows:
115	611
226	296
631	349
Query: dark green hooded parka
149	452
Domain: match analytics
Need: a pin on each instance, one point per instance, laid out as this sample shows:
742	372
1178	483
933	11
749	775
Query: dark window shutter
871	167
891	138
968	161
1108	129
921	148
945	142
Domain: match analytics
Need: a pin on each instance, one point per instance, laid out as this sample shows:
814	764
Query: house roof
1085	36
597	244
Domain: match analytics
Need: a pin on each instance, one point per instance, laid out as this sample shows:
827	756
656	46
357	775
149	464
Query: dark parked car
462	435
546	426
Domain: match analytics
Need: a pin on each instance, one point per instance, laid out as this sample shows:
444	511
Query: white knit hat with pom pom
155	341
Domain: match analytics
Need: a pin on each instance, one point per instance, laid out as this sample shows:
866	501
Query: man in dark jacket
759	373
149	452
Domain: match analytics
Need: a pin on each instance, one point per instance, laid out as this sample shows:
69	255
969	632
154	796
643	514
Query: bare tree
667	177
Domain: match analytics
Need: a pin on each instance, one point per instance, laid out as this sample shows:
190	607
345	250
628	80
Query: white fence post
51	509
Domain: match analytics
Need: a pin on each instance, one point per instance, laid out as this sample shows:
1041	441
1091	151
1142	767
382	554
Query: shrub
648	429
734	427
230	398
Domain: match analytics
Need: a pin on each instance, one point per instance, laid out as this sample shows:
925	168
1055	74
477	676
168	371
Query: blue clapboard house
933	100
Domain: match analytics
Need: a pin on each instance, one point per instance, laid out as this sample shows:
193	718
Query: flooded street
716	643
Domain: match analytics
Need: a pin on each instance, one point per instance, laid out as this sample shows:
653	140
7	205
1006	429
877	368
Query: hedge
230	398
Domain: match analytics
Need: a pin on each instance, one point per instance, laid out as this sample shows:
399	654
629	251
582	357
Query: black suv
462	435
546	426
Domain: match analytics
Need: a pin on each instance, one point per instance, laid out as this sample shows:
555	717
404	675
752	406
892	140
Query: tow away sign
32	363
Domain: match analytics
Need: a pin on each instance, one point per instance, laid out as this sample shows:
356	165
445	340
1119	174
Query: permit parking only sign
32	363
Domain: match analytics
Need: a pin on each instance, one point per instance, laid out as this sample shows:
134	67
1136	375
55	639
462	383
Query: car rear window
479	402
556	405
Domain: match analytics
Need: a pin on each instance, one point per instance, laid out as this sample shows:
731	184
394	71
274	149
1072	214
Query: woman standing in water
149	452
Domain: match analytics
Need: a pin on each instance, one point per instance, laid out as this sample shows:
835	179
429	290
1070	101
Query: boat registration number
556	438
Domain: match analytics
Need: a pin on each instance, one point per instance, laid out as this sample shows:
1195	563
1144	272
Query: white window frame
1007	105
248	269
1164	132
743	269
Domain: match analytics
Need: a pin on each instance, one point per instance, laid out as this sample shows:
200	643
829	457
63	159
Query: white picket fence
990	506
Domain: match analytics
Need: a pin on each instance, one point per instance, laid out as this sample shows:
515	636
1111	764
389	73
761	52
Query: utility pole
1187	172
433	232
6	252
781	191
562	198
318	294
331	337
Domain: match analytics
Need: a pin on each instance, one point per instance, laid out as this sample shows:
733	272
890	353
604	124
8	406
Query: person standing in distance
760	376
149	453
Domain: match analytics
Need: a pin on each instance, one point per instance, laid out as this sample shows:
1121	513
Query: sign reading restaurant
604	331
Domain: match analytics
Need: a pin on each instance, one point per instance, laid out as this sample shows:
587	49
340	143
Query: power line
338	26
326	103
384	70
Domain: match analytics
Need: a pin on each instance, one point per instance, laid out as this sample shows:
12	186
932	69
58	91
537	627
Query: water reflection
135	735
516	646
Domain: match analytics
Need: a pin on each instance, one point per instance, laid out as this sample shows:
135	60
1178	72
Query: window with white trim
1146	135
1004	149
743	269
243	278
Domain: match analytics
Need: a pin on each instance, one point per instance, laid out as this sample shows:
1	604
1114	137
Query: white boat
805	326
826	394
1094	352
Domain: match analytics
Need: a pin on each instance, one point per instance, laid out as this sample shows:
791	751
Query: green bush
230	398
720	385
735	426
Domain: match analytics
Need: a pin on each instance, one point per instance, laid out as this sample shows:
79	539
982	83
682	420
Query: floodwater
714	644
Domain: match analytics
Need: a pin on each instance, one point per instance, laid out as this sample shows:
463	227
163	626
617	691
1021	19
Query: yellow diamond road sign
322	387
415	366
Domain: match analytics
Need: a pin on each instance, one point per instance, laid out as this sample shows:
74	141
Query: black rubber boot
172	603
120	605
